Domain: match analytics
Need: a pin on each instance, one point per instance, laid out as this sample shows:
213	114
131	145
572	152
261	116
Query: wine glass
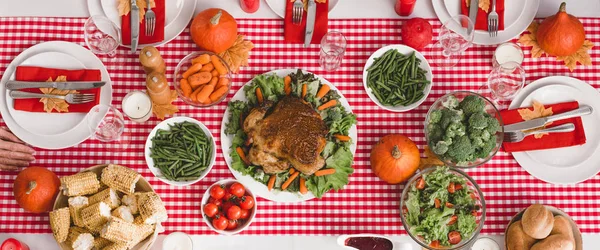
504	82
456	36
105	122
333	48
102	36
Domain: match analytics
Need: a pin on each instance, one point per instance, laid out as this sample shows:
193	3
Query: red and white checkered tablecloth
366	204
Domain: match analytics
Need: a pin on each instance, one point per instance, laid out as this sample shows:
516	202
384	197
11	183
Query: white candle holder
137	106
507	52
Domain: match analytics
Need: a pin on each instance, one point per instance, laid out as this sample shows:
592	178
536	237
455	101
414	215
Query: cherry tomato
449	205
247	202
244	214
434	243
217	192
457	186
438	203
420	184
237	189
473	196
451	188
454	237
474	213
228	196
210	210
220	222
452	220
226	205
214	201
404	210
232	224
234	212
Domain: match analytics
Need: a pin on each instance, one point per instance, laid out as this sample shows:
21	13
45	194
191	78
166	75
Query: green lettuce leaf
270	85
341	161
236	109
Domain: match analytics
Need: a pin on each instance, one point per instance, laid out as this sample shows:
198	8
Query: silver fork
70	98
493	21
150	20
517	136
297	12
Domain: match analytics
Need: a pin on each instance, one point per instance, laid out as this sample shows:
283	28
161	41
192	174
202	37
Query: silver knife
135	25
473	9
539	122
310	22
12	85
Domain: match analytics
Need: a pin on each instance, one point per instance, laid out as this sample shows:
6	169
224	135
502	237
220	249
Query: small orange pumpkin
395	158
214	30
35	189
561	34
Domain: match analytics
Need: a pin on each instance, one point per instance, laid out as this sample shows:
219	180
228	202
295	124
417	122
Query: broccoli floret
450	116
478	121
447	139
486	148
479	133
435	116
493	125
451	102
434	131
455	129
477	142
472	104
441	147
461	149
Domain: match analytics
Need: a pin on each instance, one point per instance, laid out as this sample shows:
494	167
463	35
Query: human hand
13	152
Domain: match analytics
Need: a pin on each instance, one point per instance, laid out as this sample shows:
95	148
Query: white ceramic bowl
206	196
165	126
406	51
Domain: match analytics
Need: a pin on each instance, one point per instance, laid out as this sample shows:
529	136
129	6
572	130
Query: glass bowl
183	65
477	194
490	108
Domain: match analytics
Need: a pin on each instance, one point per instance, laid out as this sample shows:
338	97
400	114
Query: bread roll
562	226
555	242
537	221
516	239
152	61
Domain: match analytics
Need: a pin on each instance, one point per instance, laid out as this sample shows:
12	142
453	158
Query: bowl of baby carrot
202	79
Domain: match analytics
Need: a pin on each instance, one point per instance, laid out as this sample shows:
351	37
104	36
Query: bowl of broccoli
464	129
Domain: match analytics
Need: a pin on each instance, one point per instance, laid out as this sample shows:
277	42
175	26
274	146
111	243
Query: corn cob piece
95	215
100	243
130	200
60	221
124	213
80	184
120	178
76	204
118	231
109	196
116	246
142	232
80	239
151	208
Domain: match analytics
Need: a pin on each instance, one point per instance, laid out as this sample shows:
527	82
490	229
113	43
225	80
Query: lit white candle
137	106
508	52
485	244
178	241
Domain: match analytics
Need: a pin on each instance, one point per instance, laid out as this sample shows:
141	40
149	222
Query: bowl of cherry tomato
228	207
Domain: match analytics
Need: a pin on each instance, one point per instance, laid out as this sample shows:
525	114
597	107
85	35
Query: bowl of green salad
442	208
464	129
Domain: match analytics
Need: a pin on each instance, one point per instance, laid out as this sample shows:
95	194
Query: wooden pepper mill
152	61
158	88
157	85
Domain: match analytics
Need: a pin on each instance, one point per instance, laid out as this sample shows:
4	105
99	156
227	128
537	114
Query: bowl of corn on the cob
107	207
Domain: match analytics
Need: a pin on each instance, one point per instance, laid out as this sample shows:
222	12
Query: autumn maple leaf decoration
538	111
59	105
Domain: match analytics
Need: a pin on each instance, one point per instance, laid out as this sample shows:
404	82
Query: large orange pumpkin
395	158
214	30
561	34
35	189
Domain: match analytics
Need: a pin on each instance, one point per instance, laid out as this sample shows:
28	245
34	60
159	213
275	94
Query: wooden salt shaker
158	88
152	61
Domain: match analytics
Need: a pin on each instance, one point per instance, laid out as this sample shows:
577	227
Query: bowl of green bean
180	151
397	78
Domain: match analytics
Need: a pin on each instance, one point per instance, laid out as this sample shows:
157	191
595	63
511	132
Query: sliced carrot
259	95
292	170
203	95
303	189
287	183
218	65
242	155
324	172
186	88
223	81
194	95
287	85
192	70
202	59
323	91
343	138
218	93
214	72
304	89
327	105
207	67
198	79
213	82
271	182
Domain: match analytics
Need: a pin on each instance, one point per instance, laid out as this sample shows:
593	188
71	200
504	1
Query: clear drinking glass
456	36
333	48
102	36
105	122
504	82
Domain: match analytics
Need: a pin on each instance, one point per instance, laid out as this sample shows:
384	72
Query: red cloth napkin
294	33
553	140
159	29
481	22
39	74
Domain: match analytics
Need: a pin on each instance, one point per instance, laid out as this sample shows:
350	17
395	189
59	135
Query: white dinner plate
257	187
518	15
68	129
178	15
278	6
568	165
